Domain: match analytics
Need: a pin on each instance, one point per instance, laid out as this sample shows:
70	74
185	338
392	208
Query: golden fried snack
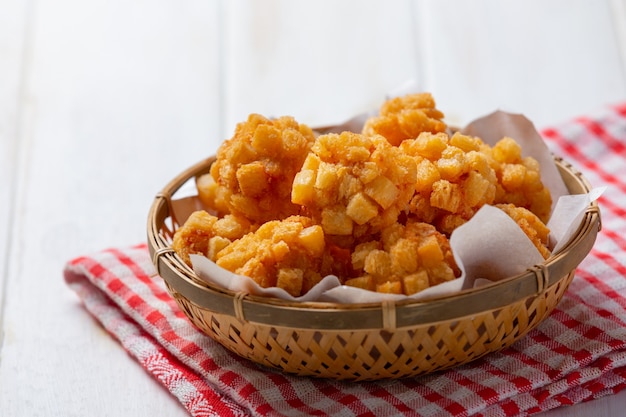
372	208
531	225
205	234
254	170
281	253
519	179
212	195
354	184
406	117
406	260
454	179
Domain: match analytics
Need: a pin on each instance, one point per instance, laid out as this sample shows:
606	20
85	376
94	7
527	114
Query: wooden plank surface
12	40
550	60
102	102
120	98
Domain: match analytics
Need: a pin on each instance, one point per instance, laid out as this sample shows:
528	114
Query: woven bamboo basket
374	340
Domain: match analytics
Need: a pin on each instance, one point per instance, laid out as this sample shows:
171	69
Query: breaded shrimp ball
405	260
354	184
406	117
254	170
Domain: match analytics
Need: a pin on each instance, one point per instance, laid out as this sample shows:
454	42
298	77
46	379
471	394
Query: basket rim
386	314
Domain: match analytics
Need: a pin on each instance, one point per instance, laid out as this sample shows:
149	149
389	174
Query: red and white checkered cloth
577	354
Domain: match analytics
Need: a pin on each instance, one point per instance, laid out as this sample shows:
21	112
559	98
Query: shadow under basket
368	341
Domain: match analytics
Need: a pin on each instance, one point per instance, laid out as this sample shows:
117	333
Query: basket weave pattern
376	353
373	340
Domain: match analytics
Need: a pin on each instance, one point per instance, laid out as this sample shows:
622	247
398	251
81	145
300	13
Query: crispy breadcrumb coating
405	260
354	185
406	117
281	253
519	179
205	234
454	179
531	225
254	170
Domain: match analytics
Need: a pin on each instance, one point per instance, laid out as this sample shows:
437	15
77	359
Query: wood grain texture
102	102
119	100
548	60
12	46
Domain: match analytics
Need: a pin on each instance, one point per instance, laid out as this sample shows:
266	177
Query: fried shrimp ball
519	179
354	184
205	234
407	259
531	225
280	253
254	170
454	179
406	117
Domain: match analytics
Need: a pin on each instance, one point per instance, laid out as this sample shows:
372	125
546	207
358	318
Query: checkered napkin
577	354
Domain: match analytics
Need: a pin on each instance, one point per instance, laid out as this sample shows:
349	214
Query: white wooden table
102	102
